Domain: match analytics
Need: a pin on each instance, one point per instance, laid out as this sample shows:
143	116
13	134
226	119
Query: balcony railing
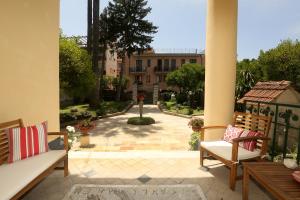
285	129
137	69
160	69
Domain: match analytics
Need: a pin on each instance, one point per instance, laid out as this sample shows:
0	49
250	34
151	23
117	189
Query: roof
266	91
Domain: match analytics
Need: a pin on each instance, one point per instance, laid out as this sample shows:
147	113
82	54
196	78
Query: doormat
135	192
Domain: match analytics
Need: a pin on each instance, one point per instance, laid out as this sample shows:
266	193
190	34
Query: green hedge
140	121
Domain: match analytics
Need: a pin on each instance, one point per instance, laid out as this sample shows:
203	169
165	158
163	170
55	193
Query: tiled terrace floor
124	168
114	134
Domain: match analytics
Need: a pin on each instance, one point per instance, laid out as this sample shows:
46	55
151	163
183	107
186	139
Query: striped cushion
249	145
27	141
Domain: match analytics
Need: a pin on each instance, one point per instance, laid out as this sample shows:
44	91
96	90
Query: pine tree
133	32
95	52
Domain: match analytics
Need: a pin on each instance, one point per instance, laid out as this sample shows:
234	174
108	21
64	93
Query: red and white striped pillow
26	142
249	145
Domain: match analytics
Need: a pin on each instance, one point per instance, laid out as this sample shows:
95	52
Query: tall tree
95	53
134	32
89	25
282	62
106	40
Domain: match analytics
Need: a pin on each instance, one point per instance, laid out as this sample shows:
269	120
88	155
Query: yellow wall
29	72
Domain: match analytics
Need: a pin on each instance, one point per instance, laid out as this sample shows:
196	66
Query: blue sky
262	24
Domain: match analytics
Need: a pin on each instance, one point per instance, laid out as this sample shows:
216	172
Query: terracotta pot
85	129
141	98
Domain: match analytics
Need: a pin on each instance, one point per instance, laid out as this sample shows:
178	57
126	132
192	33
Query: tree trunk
119	86
102	72
89	25
95	47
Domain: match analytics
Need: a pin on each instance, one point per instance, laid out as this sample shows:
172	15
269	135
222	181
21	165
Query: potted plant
196	124
85	126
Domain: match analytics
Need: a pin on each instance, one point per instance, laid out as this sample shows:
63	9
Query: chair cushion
231	133
15	176
224	150
28	141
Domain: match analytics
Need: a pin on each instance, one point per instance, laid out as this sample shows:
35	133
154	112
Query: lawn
76	113
181	109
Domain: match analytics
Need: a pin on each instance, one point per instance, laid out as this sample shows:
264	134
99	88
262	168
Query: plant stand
84	140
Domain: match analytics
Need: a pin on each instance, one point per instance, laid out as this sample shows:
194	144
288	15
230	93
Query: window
159	63
166	64
139	63
173	64
193	61
182	61
149	63
138	79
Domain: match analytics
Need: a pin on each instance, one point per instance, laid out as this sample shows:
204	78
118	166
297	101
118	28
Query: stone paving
114	134
142	168
124	163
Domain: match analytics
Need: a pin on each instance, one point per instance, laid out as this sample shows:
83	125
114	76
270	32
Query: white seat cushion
224	149
14	177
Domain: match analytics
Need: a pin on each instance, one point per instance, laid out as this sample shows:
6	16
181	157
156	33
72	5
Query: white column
220	64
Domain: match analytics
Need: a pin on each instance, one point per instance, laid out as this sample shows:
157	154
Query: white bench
21	176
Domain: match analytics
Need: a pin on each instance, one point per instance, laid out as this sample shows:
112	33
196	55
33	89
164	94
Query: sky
262	24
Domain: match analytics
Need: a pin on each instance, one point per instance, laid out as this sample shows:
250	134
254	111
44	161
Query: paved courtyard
114	134
142	168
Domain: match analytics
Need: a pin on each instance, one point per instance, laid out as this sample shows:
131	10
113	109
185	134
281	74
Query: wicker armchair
230	153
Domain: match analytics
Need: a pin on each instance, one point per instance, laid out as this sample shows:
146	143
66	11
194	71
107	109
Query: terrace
29	82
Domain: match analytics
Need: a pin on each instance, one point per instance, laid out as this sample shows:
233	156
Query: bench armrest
66	143
235	145
202	130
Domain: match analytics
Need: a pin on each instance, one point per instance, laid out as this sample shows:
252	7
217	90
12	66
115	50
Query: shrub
100	110
140	121
181	98
74	110
190	111
166	95
196	122
67	117
194	141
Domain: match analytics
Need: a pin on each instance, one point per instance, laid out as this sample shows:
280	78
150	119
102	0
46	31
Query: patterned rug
135	192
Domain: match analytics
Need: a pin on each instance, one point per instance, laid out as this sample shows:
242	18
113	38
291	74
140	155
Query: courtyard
114	134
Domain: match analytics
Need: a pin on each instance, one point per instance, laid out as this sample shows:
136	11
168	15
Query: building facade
151	68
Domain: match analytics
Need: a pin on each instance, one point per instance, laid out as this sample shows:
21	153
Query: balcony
138	69
160	69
